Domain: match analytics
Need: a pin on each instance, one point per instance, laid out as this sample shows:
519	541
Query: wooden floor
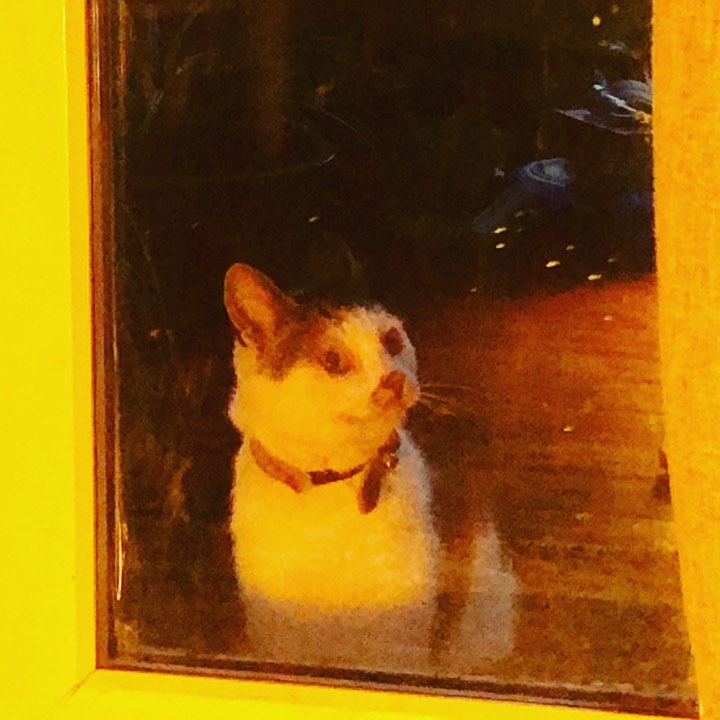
564	402
544	435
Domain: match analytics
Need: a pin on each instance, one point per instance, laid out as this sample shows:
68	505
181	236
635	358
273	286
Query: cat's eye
393	341
334	363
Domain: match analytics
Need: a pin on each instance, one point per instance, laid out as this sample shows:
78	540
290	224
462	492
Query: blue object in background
537	186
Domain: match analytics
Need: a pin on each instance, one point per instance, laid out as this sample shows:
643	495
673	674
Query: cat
334	545
336	554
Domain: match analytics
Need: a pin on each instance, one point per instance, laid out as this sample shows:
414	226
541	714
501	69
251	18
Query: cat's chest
317	542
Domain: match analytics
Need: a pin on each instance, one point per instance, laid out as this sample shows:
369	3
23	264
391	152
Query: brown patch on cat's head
278	330
303	337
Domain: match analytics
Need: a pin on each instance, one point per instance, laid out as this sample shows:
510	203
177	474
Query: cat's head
319	388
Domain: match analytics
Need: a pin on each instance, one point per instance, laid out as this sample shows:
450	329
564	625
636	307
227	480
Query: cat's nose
395	382
390	389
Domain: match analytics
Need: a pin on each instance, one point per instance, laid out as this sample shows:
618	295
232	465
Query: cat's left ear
256	306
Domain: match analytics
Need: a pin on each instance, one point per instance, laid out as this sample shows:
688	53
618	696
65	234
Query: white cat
334	546
336	555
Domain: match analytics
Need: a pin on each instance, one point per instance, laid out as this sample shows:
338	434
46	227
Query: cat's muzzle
395	389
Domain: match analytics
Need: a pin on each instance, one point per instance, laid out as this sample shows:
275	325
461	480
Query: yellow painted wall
44	391
687	142
46	614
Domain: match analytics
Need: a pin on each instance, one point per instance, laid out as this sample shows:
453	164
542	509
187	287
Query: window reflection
482	172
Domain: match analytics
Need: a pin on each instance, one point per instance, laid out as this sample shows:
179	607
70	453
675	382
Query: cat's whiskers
447	387
436	407
444	403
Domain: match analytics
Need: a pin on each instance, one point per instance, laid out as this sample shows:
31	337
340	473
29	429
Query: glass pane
378	325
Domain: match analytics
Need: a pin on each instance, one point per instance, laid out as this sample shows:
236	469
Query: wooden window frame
48	521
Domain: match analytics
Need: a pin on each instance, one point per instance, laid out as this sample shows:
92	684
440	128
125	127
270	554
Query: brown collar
384	460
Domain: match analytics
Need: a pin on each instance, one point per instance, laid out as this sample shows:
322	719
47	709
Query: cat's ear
256	306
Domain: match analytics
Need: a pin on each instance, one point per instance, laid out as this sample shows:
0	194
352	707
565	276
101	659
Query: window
488	181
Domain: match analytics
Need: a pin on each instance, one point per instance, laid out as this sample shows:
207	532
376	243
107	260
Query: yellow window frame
47	610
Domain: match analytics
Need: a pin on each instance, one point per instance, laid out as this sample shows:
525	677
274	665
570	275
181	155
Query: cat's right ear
256	306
